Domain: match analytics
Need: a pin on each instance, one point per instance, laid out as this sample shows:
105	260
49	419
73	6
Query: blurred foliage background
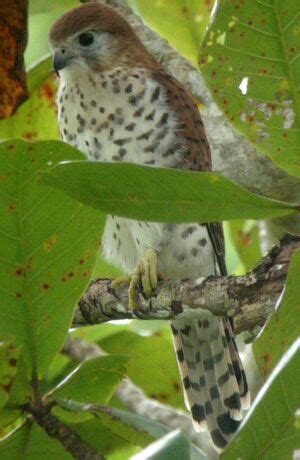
253	40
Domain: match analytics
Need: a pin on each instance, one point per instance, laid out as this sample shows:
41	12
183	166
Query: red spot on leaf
20	272
267	358
176	386
30	135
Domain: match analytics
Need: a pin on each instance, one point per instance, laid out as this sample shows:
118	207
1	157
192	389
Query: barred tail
213	377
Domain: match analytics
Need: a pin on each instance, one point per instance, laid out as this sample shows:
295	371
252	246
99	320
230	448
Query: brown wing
191	128
198	157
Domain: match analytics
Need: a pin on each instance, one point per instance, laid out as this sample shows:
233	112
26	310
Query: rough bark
248	299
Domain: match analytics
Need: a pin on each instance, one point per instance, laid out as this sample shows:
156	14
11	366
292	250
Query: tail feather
214	381
237	365
227	386
186	359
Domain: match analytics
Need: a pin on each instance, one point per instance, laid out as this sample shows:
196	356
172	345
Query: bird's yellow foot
123	279
145	274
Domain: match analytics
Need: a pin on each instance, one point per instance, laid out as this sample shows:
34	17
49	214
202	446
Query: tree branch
71	441
249	298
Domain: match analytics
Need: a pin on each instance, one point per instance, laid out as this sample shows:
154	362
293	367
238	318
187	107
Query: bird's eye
86	39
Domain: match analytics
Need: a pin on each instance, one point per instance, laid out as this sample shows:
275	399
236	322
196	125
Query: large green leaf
268	432
181	22
250	59
160	194
95	380
30	442
283	326
149	356
35	119
48	246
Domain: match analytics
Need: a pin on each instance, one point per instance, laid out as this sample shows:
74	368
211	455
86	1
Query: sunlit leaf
160	194
283	327
268	431
181	22
250	59
36	119
48	246
94	381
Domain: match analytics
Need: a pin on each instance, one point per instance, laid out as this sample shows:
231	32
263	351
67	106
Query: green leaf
160	194
149	356
283	327
246	240
120	423
250	59
48	247
95	380
9	355
173	446
153	428
20	391
113	446
42	15
8	417
181	22
268	431
297	419
36	119
31	442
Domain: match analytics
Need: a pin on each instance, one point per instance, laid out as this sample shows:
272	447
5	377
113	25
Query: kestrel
117	103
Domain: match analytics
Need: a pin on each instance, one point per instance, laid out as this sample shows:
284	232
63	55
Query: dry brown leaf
13	40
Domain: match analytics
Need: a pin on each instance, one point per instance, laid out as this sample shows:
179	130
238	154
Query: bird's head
93	37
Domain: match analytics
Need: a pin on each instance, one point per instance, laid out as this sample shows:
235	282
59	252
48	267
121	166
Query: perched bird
117	103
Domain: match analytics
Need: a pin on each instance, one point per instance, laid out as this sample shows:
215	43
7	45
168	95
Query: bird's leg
145	274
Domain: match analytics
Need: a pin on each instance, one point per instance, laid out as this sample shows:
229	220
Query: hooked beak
61	59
